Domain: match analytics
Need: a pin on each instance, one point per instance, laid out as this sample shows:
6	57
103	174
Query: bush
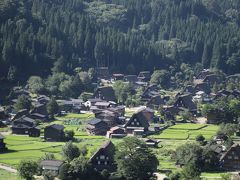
27	169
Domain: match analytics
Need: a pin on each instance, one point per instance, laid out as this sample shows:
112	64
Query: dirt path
7	168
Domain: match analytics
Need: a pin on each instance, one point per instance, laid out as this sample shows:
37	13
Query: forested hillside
125	35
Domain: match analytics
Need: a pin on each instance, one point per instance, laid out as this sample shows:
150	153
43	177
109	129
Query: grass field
187	131
5	175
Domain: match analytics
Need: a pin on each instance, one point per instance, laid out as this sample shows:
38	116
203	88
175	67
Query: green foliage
200	138
121	90
52	107
35	84
190	171
134	159
27	169
23	102
70	151
69	135
160	77
48	156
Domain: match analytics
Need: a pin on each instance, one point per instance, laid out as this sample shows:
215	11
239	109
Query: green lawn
5	175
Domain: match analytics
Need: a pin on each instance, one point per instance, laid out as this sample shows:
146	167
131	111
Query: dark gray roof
94	121
56	126
53	163
25	118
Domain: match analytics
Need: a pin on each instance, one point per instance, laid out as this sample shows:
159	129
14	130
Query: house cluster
116	127
102	159
229	158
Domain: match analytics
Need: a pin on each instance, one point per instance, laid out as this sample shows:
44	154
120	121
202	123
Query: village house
105	93
200	97
170	112
97	127
54	132
138	124
118	77
185	101
204	73
215	116
130	78
2	144
156	101
116	132
147	113
102	104
20	113
51	165
211	79
230	160
43	99
107	116
103	158
149	92
22	125
188	89
102	72
144	76
91	102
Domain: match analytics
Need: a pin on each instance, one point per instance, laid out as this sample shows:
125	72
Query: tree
160	77
64	171
52	107
35	84
121	91
200	138
70	151
134	159
190	153
190	171
82	169
69	135
27	169
23	102
48	156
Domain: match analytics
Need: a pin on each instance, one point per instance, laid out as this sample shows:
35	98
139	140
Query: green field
187	131
4	175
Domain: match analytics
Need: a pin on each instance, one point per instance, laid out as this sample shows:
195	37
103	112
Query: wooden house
22	125
230	160
185	101
118	77
51	165
116	132
105	93
130	78
107	116
54	132
144	76
103	72
204	73
103	158
148	113
2	143
138	124
215	116
97	127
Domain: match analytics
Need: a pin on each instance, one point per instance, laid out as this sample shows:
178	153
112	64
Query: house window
105	163
99	162
107	158
132	123
138	123
102	157
229	157
235	157
135	120
233	153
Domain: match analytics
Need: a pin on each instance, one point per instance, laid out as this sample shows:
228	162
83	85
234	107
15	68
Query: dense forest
37	36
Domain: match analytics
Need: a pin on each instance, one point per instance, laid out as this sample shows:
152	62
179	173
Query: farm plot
187	131
24	147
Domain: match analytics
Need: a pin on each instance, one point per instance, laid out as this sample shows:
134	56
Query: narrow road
7	168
